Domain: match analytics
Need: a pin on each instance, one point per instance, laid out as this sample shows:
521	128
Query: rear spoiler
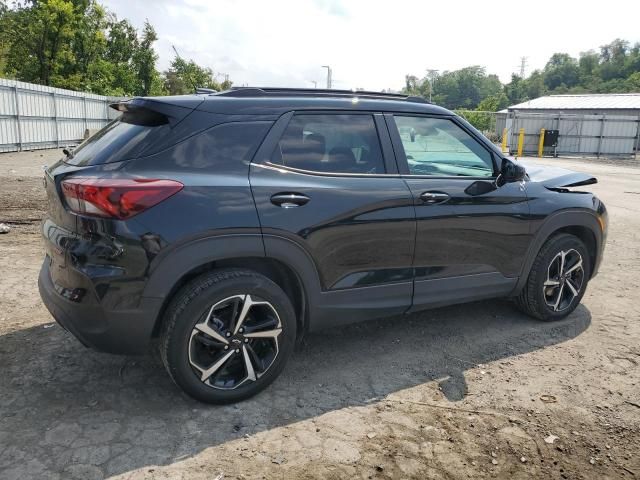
159	109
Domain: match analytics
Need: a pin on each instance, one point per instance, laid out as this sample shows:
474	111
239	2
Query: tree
463	88
494	103
411	84
41	35
561	69
144	60
116	73
87	45
4	37
615	68
77	44
184	76
633	82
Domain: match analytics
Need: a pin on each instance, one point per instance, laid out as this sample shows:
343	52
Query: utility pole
329	75
431	75
315	84
523	66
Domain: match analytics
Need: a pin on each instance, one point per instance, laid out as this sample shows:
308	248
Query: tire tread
183	297
527	299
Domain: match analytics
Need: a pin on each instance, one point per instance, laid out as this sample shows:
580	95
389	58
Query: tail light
116	197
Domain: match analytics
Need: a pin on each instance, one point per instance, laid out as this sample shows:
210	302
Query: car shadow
65	405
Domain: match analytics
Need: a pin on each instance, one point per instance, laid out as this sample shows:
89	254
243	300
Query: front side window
439	147
334	143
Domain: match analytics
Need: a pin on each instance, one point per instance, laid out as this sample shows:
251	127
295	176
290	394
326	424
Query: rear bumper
122	331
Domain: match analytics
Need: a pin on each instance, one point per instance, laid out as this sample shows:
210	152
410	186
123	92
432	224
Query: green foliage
4	37
494	103
463	88
615	68
561	69
79	45
144	61
184	76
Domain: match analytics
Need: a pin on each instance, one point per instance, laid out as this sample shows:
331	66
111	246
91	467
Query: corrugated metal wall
583	135
35	116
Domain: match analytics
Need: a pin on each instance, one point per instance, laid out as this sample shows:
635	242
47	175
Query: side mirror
511	172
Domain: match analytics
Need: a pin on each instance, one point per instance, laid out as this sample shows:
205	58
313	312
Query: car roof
276	101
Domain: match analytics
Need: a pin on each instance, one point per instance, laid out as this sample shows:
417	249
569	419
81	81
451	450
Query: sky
374	44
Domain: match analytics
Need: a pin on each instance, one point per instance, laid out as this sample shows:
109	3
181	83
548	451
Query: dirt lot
466	391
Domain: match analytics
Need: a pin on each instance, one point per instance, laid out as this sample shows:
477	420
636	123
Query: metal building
35	116
587	124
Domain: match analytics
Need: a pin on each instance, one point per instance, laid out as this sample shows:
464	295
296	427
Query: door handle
433	198
289	200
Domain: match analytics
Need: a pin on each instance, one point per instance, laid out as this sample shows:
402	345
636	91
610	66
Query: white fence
36	117
581	135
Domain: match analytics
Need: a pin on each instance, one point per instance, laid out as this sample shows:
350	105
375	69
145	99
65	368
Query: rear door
327	184
472	236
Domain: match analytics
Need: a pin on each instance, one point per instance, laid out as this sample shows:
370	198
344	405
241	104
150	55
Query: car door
326	184
472	235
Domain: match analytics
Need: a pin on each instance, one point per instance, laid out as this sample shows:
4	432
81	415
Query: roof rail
314	92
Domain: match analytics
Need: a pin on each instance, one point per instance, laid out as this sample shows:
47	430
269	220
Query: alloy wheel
236	342
565	277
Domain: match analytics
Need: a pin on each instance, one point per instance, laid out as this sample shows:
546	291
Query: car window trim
269	144
401	158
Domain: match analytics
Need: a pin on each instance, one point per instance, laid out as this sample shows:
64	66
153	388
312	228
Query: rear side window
337	143
124	138
227	146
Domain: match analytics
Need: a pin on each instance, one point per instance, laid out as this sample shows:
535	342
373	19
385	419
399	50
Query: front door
472	236
327	185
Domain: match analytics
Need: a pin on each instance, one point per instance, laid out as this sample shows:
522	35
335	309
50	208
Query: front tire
227	335
557	280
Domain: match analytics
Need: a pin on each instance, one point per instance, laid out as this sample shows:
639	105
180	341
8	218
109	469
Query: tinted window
436	146
331	143
223	147
124	138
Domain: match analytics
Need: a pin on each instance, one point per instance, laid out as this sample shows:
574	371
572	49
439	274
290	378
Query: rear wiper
68	152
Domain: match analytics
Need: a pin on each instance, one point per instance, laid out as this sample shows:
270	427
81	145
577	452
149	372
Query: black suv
220	227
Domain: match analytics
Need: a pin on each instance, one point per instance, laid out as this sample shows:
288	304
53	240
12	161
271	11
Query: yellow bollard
541	143
520	142
504	140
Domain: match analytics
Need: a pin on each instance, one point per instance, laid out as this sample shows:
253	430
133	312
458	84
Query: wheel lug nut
228	334
241	330
237	350
226	347
246	340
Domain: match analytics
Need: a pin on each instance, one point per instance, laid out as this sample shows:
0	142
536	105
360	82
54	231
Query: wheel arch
580	223
187	262
587	236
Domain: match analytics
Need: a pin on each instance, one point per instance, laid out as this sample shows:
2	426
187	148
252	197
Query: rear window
124	138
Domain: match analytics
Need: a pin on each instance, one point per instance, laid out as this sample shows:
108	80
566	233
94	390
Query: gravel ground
476	390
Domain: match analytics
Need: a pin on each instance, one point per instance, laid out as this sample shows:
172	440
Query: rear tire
557	280
227	335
